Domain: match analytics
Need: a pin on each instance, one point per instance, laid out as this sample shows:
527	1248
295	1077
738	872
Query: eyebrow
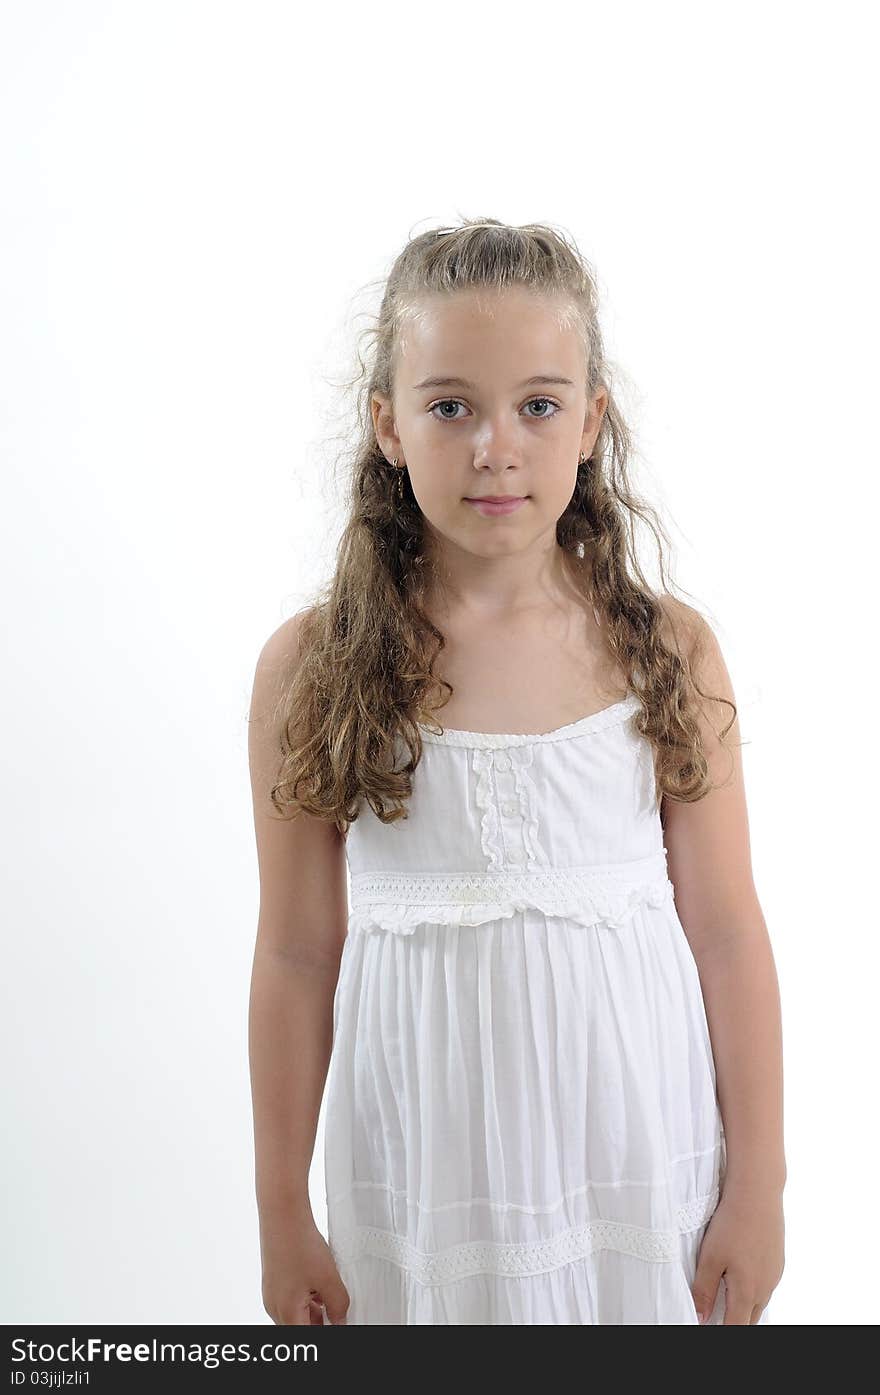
540	379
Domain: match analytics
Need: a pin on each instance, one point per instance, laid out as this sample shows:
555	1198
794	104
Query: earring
399	479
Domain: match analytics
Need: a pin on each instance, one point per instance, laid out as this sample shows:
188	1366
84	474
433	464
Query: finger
301	1316
704	1290
336	1299
737	1307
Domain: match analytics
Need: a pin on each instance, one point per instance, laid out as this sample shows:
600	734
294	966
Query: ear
383	425
593	421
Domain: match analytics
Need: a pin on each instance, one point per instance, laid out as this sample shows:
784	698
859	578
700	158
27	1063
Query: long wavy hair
364	671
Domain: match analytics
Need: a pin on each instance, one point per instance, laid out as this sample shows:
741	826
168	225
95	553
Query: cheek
430	493
563	490
443	486
439	505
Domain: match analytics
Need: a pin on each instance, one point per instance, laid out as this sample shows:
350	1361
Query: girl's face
488	430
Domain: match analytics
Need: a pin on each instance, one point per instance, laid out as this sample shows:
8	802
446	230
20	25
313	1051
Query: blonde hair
366	648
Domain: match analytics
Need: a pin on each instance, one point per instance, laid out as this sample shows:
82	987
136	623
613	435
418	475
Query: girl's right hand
300	1276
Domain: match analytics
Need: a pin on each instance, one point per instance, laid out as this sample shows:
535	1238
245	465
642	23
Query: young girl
550	1011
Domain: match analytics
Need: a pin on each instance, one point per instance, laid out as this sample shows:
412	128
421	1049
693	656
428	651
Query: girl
550	1011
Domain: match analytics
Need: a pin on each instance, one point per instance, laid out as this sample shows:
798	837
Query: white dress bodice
558	821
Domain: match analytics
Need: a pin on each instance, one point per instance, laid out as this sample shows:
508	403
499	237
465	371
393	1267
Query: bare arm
300	934
709	862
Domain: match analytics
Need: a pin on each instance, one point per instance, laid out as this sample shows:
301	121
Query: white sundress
521	1118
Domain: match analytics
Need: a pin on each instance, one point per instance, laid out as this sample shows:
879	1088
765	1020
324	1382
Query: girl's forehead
471	330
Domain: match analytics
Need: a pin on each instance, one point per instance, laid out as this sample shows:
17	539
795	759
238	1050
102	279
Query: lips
490	507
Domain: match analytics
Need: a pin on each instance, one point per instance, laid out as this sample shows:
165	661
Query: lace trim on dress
528	804
490	826
494	740
491	836
533	1257
606	895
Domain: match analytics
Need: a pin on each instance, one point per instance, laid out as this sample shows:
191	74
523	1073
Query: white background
194	197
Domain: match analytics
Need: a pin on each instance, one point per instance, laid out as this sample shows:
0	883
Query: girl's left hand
745	1242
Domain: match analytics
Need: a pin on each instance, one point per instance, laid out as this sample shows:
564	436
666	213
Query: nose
496	458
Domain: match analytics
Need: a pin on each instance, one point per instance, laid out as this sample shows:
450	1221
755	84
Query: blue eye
454	401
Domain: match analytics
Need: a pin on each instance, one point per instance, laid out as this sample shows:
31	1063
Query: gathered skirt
522	1123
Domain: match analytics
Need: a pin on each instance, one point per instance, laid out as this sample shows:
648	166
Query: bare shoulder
276	664
279	651
691	634
681	623
301	860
